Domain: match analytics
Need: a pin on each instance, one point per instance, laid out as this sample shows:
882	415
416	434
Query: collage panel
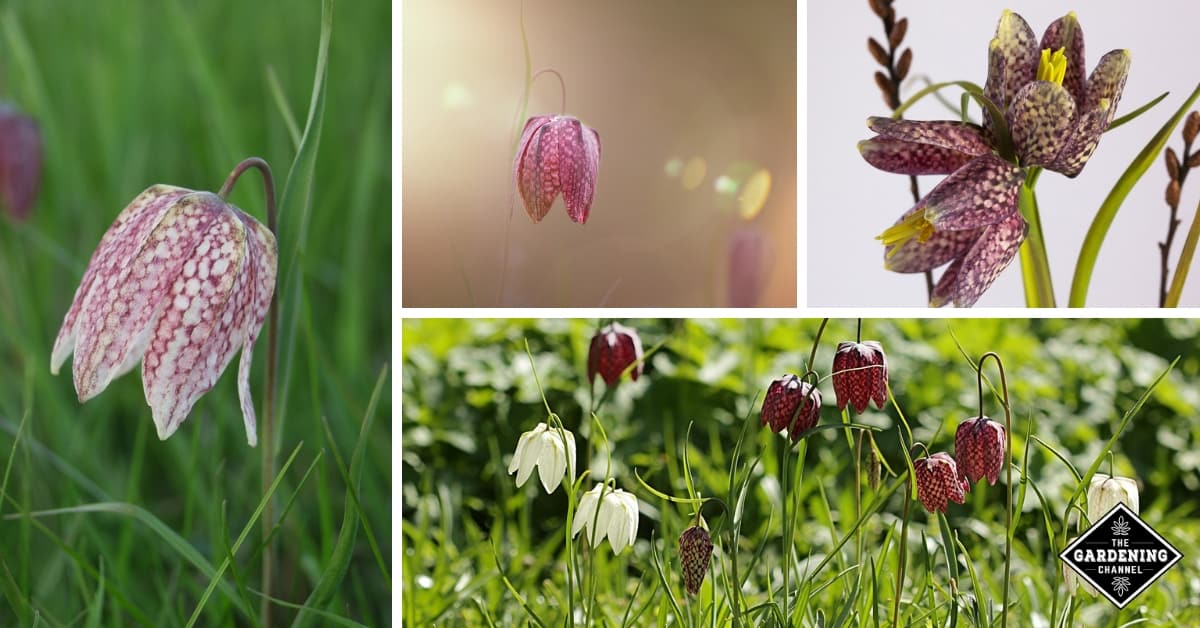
979	154
599	154
877	471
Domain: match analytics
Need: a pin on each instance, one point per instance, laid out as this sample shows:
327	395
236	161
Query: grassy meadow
100	522
810	535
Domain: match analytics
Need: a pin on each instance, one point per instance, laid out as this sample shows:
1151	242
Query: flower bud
789	397
695	554
1172	162
939	482
1191	127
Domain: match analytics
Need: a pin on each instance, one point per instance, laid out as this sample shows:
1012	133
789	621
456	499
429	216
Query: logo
1120	555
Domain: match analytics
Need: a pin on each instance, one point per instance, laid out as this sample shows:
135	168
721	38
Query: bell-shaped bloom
606	512
557	154
543	447
860	375
790	398
938	482
695	555
20	161
1072	580
613	349
747	264
180	282
1105	492
979	447
1052	117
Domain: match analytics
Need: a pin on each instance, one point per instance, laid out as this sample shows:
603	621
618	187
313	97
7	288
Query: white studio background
849	202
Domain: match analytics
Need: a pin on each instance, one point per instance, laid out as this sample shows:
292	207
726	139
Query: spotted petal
577	176
263	267
969	276
537	193
919	147
1104	89
1067	34
981	193
962	137
1041	119
1012	61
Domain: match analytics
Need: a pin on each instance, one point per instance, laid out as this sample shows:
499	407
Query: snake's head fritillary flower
1052	118
695	554
557	154
614	348
860	375
607	512
791	398
1104	492
747	264
543	447
180	282
938	482
979	446
20	161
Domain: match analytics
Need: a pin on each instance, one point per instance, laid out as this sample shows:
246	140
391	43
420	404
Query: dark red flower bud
695	553
20	161
557	154
613	349
979	447
789	397
860	375
938	482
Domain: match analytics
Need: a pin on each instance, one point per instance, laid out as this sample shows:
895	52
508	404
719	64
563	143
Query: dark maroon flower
979	447
860	375
787	398
938	481
747	267
557	154
613	349
20	161
695	553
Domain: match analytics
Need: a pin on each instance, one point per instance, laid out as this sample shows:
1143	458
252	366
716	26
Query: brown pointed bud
1172	163
873	469
885	86
20	161
877	51
1173	193
1194	160
903	65
879	7
1191	127
789	397
979	446
860	375
898	33
695	554
938	482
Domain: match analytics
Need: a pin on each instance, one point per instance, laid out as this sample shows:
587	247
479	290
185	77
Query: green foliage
468	394
99	521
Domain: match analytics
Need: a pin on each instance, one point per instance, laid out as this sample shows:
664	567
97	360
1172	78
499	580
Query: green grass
100	522
480	551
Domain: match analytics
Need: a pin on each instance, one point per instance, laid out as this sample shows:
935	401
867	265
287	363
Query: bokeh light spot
725	185
693	173
456	95
674	167
754	194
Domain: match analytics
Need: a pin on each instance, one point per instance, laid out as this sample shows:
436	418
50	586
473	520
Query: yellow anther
1053	66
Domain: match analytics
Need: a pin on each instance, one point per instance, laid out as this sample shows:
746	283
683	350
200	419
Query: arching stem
561	83
268	407
1008	465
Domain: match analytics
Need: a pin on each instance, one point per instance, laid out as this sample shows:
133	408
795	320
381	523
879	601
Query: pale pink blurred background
664	83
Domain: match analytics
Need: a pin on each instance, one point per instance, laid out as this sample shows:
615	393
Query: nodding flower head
557	154
180	282
695	554
788	398
20	161
979	446
613	349
938	482
860	375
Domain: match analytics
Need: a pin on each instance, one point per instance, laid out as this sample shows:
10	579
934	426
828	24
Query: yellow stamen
1053	66
914	226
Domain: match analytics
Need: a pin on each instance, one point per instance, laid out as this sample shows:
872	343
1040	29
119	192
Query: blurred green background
469	392
129	94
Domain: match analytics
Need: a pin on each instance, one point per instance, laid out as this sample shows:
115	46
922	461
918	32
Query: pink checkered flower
938	482
613	349
789	398
557	154
20	161
860	375
695	554
180	282
979	446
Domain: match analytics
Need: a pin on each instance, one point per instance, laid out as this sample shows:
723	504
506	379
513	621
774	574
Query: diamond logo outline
1108	526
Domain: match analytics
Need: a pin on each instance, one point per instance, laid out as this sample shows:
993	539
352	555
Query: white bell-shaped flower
543	447
1104	492
617	517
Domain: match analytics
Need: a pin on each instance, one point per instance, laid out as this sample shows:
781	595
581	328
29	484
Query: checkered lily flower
979	446
557	154
613	349
20	161
552	453
860	375
788	398
695	554
938	482
607	512
1053	119
180	282
1104	492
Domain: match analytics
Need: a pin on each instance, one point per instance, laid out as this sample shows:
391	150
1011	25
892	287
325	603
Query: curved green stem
1035	263
1008	523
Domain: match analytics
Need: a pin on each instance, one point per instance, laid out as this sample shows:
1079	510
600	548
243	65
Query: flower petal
586	511
901	157
995	249
579	155
1066	33
522	446
201	326
917	257
1041	119
1012	62
118	315
263	268
981	193
1103	93
961	137
112	259
537	191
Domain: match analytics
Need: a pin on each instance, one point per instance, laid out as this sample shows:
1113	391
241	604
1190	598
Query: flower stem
903	556
1185	262
1008	464
268	407
1035	264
